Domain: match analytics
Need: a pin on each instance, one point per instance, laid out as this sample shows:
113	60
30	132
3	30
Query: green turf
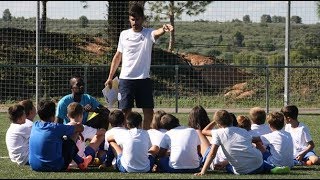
9	170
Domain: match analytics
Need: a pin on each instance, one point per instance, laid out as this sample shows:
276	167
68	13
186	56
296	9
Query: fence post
267	88
86	77
37	53
287	58
176	86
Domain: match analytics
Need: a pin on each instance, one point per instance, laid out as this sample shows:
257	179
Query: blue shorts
138	90
165	167
120	168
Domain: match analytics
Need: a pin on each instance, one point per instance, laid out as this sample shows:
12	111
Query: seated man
89	103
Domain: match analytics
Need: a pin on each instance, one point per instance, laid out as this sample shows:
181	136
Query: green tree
83	21
238	38
173	10
278	19
246	19
296	19
7	15
265	18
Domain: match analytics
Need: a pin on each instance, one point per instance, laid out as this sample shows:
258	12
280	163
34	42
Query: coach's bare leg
147	117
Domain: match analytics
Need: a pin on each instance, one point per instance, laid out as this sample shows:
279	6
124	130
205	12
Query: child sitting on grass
17	135
303	149
48	150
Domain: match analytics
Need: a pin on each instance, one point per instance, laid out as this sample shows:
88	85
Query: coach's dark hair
134	119
46	109
169	121
72	81
136	10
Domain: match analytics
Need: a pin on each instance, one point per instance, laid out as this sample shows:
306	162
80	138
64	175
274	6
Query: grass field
9	170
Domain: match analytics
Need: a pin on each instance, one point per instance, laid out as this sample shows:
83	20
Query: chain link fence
234	55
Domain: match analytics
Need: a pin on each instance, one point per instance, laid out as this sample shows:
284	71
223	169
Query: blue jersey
45	145
61	111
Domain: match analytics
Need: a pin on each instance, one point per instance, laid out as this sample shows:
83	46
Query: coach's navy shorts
139	91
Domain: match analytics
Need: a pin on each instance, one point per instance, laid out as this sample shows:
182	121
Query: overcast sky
216	11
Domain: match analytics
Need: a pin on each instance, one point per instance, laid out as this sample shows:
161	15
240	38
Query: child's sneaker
280	170
96	162
309	163
86	162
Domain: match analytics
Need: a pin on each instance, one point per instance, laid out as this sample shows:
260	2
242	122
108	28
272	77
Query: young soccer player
279	142
183	144
48	151
237	146
303	151
30	111
257	116
132	146
17	135
95	136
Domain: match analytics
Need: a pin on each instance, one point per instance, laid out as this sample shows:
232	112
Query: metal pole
176	83
287	58
267	89
37	52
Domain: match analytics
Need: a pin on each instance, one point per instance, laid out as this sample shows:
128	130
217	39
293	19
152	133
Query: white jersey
135	146
281	148
156	136
17	141
87	133
260	129
136	49
300	137
113	131
182	142
28	123
236	144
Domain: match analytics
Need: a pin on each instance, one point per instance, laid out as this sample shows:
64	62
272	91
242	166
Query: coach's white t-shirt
281	148
136	49
182	142
236	144
17	141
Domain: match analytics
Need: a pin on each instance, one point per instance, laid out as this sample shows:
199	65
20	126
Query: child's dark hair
169	121
134	120
28	106
223	118
257	115
276	120
15	112
46	110
155	123
136	10
290	111
234	119
198	118
74	109
116	118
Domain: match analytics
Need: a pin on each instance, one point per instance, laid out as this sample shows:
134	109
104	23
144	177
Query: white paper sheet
111	95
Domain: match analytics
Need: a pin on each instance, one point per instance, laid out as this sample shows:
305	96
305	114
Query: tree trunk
43	21
172	34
